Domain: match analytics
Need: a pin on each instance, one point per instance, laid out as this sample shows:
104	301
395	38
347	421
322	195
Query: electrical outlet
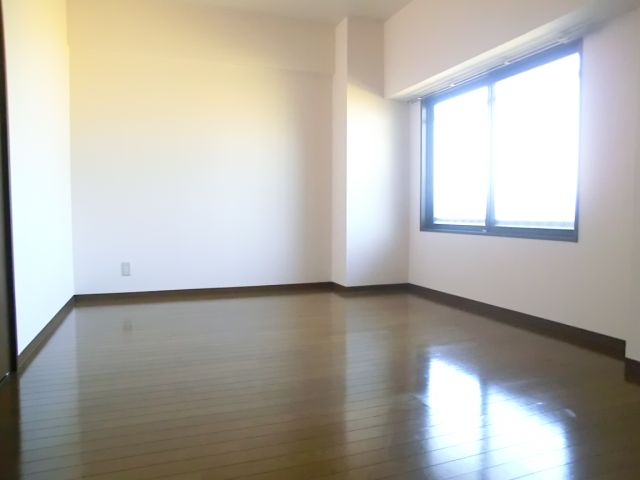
125	269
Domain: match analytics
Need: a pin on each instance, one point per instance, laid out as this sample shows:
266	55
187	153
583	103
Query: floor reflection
481	426
455	406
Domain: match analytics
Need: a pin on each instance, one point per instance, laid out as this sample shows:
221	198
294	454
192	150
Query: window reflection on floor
474	426
543	442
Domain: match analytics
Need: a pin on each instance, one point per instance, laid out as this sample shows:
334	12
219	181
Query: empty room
320	239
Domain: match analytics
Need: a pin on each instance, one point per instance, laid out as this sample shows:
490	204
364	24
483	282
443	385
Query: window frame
489	79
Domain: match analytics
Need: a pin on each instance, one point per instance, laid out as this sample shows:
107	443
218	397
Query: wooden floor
313	385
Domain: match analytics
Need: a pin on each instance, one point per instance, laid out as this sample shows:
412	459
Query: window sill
507	232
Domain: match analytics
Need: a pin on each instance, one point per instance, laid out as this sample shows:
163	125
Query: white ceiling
319	10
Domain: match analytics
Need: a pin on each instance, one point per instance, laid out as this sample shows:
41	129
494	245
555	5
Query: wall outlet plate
125	269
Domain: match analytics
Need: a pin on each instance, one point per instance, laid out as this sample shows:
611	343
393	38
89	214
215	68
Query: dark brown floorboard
313	384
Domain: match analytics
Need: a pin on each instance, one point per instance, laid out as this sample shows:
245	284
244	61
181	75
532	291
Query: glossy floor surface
313	385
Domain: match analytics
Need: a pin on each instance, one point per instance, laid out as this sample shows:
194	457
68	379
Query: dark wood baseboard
209	293
202	293
29	353
370	289
632	370
613	347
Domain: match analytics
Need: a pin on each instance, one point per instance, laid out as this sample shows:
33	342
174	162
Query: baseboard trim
30	352
632	370
369	289
202	293
610	346
229	292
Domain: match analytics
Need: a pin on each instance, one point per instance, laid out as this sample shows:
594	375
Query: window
500	153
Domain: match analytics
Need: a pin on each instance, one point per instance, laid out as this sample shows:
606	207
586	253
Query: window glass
536	144
460	169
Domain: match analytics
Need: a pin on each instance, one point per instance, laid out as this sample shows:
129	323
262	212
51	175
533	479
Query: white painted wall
377	164
38	101
201	147
633	343
339	163
370	163
586	284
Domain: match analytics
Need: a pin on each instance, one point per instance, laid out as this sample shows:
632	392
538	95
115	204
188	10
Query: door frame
5	212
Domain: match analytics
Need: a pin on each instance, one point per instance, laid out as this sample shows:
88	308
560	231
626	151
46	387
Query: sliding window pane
536	122
461	158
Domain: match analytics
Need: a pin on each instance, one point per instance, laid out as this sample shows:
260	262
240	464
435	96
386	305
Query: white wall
38	101
339	163
377	168
633	343
201	147
586	284
370	163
